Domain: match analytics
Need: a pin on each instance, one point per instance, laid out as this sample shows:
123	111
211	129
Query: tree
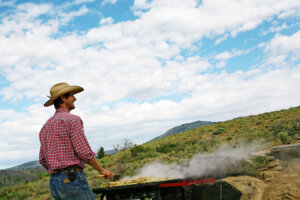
100	153
125	144
117	147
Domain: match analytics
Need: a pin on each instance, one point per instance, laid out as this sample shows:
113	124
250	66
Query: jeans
75	190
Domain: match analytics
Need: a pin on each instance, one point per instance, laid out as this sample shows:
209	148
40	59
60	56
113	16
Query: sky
145	65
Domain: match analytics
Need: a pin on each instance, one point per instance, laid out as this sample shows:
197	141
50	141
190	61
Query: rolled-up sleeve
79	141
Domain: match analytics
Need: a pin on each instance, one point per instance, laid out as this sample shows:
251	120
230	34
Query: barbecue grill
174	189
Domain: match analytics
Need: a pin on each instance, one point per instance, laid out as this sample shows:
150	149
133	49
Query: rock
277	168
251	188
273	164
270	158
260	153
283	184
268	176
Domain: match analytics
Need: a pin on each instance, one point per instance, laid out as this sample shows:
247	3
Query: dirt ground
284	183
281	181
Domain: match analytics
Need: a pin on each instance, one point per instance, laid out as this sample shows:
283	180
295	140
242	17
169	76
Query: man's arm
94	163
79	141
42	159
83	149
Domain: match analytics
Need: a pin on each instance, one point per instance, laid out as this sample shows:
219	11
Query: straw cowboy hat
60	89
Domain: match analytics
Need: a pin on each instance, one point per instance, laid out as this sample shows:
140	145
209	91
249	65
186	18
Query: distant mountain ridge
183	127
27	165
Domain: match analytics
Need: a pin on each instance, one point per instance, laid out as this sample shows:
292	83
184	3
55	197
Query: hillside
27	165
12	177
20	174
182	128
267	130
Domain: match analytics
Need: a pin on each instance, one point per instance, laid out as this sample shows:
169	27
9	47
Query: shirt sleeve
42	159
79	141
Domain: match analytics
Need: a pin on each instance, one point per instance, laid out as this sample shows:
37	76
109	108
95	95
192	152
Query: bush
259	161
258	123
219	131
208	144
137	150
279	127
229	138
169	147
284	137
294	128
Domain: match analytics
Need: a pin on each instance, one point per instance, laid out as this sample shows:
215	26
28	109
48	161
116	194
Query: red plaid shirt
63	142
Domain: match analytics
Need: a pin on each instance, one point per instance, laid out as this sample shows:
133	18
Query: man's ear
63	98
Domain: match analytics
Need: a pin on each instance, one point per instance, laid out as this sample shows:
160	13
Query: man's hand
108	174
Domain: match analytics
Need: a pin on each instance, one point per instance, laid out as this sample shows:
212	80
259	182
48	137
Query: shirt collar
59	110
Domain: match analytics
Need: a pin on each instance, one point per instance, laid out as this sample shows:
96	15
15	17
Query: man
65	149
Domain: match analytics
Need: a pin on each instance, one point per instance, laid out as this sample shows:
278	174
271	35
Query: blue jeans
75	190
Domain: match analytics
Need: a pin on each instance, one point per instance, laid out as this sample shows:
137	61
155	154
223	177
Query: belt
57	171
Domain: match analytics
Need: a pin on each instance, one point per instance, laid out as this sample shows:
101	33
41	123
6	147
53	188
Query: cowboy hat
60	89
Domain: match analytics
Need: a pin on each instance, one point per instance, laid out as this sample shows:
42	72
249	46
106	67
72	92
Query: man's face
69	102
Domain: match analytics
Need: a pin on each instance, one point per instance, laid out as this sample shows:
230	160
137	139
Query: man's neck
64	107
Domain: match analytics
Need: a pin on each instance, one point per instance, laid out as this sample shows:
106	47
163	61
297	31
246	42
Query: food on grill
137	180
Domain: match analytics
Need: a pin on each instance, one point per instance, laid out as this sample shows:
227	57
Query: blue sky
146	65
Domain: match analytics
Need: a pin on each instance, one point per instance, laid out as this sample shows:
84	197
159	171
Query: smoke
224	161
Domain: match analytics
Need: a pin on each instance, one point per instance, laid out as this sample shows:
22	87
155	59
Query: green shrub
259	161
294	128
208	144
252	171
285	130
137	150
169	147
228	138
278	127
219	131
284	137
258	122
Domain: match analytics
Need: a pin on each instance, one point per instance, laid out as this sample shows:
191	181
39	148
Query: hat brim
74	89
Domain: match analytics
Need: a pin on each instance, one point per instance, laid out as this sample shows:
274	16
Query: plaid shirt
63	142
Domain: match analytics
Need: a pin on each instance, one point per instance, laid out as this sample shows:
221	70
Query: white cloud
221	64
23	20
227	55
276	29
141	4
281	47
66	17
7	3
83	1
107	20
108	2
221	39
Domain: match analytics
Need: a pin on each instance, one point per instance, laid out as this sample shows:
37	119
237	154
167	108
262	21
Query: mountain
183	127
20	174
109	151
27	165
